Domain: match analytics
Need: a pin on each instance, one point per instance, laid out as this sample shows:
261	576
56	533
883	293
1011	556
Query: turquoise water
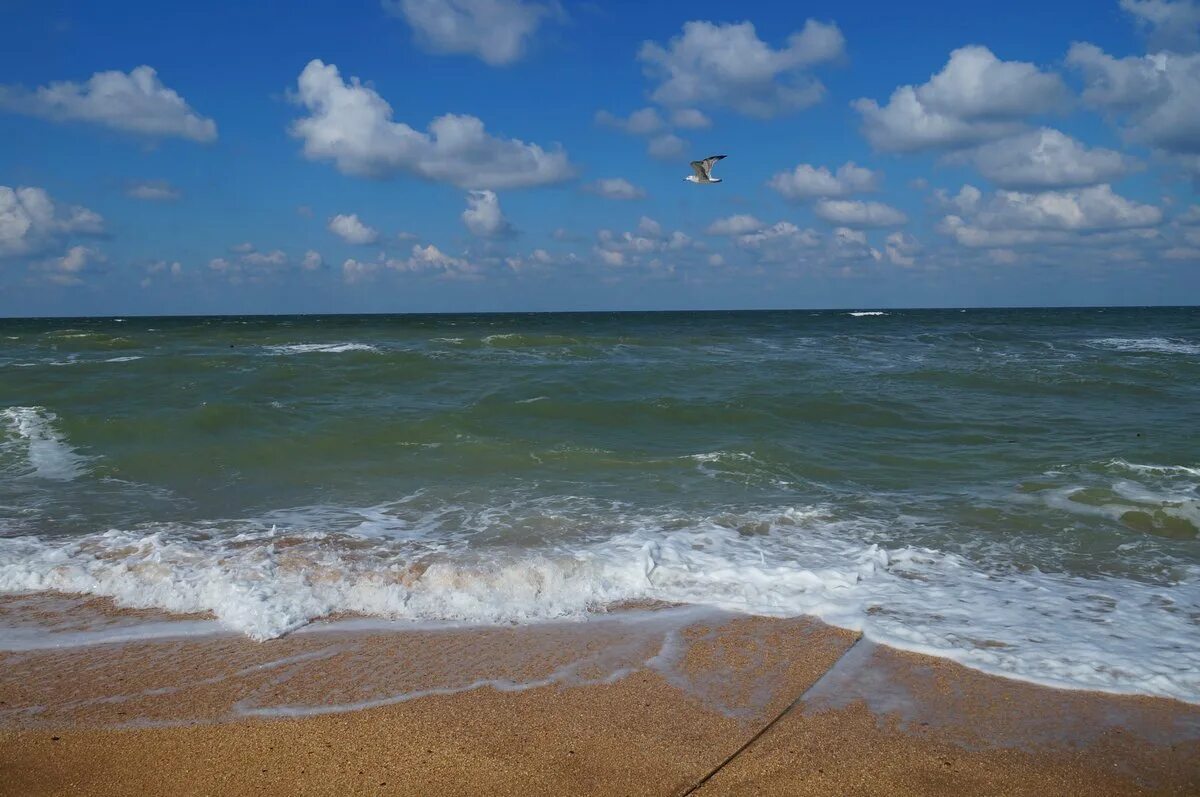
1018	490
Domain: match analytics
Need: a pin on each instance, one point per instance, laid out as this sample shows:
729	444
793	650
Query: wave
861	313
1148	345
263	580
38	447
318	348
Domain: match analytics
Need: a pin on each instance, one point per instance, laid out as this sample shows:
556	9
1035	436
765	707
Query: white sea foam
861	313
27	639
1148	345
127	359
41	450
1102	633
318	348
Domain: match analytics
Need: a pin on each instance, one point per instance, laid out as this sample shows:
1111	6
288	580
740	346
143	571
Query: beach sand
666	701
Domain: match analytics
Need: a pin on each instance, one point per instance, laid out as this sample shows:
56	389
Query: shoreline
659	702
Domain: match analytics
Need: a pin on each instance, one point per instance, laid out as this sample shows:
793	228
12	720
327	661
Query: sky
530	155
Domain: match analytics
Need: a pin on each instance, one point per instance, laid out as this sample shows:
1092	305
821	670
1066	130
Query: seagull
703	170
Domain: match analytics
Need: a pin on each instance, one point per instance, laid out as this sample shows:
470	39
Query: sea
1015	490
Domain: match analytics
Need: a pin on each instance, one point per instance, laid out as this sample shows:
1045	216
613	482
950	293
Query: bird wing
708	163
700	169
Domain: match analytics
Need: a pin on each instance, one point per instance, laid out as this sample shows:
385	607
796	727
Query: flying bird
703	170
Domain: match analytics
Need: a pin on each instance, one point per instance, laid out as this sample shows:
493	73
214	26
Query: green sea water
1018	490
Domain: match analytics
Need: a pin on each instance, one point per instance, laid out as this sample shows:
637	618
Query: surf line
763	730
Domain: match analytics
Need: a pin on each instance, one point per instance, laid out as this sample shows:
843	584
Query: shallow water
1017	490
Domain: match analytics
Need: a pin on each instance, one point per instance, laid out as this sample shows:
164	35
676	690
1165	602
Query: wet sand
655	702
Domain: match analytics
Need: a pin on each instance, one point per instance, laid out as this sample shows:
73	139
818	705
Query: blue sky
470	155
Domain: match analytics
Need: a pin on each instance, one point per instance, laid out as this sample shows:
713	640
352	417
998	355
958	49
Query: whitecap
33	437
1110	634
318	348
1148	345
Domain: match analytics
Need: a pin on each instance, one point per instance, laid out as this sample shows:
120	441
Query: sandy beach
665	700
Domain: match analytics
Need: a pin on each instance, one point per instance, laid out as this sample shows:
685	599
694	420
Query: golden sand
664	705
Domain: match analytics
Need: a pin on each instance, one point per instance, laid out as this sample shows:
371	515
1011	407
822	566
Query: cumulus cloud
975	98
71	267
351	125
902	248
312	261
1047	158
639	123
807	182
136	103
496	32
1172	25
853	213
641	249
273	259
735	225
666	147
615	188
429	258
250	264
30	222
484	217
1156	96
352	230
157	268
153	191
727	65
847	245
1013	218
355	271
779	243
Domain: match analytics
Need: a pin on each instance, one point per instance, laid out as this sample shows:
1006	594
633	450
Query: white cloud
352	125
847	244
159	267
137	103
852	213
272	259
735	225
1156	95
1012	218
690	118
727	65
640	249
153	191
1047	158
351	229
807	182
1173	26
667	147
780	243
495	31
638	123
242	248
70	268
649	228
484	217
355	271
975	98
30	222
615	188
312	261
902	248
429	258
